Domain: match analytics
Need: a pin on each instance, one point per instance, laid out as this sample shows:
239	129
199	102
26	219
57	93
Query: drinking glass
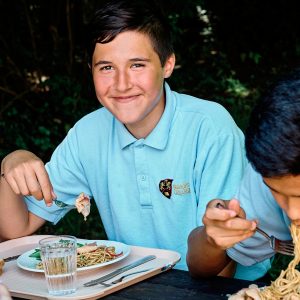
59	257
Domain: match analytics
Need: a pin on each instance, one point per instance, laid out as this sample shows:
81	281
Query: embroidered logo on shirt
182	188
165	186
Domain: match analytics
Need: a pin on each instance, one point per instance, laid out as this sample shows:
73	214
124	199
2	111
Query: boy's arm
204	259
15	219
222	229
23	174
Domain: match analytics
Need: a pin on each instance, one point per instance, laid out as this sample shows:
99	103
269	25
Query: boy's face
128	79
286	191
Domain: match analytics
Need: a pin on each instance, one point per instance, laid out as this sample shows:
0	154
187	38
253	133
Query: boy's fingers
34	186
228	242
225	223
216	203
13	184
222	232
23	187
230	226
224	238
53	194
234	204
18	183
31	179
219	214
45	185
240	224
216	210
4	293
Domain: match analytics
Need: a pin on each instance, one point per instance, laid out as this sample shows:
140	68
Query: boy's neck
139	132
144	127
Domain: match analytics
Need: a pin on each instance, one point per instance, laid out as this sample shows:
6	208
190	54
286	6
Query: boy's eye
137	65
106	68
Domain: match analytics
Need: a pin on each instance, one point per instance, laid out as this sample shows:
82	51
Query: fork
62	204
283	247
122	277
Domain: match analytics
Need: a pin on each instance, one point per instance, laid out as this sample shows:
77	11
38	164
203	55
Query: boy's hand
26	175
4	293
225	223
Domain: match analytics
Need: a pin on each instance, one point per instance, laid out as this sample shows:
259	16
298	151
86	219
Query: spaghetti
101	255
285	287
92	256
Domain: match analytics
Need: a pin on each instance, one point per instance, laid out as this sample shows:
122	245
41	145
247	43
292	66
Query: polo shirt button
143	177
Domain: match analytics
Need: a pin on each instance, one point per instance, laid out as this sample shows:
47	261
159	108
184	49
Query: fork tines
284	247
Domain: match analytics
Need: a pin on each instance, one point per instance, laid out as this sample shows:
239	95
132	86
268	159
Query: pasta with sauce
91	254
101	255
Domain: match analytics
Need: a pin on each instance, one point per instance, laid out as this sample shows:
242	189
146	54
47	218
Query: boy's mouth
124	99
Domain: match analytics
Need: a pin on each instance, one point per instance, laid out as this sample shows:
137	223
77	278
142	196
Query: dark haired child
268	197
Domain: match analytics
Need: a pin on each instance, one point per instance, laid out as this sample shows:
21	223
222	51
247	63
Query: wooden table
175	285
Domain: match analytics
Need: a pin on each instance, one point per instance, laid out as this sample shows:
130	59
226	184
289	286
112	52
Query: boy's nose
123	81
294	215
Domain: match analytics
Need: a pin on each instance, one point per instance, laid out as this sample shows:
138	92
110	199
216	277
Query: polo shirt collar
158	138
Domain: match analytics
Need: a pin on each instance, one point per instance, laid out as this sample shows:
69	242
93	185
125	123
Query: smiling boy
151	158
269	195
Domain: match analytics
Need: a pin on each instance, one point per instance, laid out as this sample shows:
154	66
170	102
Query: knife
7	259
120	270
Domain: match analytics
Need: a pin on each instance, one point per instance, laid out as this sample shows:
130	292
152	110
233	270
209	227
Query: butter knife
7	259
119	271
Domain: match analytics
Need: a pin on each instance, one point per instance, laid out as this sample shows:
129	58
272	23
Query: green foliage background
227	51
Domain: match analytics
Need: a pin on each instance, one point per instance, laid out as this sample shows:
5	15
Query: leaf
36	254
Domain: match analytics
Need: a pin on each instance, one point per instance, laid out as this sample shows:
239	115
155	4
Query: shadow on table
175	285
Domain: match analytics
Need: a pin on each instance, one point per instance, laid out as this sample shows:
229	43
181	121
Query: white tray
32	285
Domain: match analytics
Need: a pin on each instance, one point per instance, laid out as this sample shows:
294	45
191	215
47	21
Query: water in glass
59	259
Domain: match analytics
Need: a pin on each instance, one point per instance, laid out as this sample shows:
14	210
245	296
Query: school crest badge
165	187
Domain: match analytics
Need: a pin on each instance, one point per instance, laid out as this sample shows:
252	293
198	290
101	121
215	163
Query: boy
151	158
269	195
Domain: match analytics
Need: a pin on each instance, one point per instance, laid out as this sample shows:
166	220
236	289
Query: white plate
28	263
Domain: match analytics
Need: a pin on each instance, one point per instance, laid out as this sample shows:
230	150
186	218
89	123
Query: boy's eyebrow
139	59
135	59
276	190
102	62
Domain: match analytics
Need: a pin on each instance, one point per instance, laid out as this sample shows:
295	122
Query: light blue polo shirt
196	148
259	204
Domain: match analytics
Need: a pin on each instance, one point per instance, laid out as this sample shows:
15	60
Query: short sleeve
67	176
221	168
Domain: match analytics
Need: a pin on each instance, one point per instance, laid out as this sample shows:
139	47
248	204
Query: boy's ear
169	65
